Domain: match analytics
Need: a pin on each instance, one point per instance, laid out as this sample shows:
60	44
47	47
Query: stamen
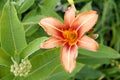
70	36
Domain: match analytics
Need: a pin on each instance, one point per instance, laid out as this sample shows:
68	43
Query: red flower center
70	36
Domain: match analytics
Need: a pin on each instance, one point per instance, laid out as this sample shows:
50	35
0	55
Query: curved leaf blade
32	47
12	31
60	74
4	58
25	5
45	10
103	52
51	4
3	72
87	7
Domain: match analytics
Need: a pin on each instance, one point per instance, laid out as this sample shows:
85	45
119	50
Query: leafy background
20	37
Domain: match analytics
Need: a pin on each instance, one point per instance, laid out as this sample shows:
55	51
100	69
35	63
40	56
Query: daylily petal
69	16
68	57
51	43
88	43
52	26
85	21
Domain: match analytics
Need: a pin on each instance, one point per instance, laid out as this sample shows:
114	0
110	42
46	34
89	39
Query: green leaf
8	77
29	30
45	10
47	66
33	17
4	58
32	47
39	33
29	14
12	31
60	74
43	65
25	5
4	71
51	4
115	42
87	7
2	2
91	60
103	52
88	73
106	10
33	20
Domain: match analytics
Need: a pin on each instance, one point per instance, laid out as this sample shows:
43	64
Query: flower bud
21	69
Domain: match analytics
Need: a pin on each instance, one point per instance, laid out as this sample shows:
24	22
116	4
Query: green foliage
21	36
88	73
51	12
102	52
51	4
12	32
87	7
32	47
25	5
49	62
4	58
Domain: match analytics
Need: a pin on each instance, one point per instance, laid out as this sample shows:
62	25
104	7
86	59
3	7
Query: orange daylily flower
70	35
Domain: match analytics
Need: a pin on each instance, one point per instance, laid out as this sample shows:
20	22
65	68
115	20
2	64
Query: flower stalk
71	2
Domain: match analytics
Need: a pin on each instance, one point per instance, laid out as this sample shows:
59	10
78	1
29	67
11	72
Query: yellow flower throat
70	36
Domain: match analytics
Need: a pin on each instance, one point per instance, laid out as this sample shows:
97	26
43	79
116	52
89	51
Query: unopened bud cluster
21	69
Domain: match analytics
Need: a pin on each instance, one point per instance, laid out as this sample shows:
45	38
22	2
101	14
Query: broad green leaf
3	71
39	33
111	70
43	65
4	58
92	61
12	31
32	47
18	2
60	74
29	30
47	66
29	14
87	7
51	4
103	52
2	2
33	17
33	20
88	73
45	10
8	77
25	5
